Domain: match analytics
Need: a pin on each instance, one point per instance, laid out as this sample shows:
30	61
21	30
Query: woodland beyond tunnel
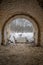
20	29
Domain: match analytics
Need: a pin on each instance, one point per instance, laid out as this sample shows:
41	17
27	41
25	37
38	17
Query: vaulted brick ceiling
40	2
0	1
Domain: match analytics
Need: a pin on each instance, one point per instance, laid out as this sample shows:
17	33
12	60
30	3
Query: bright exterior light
20	29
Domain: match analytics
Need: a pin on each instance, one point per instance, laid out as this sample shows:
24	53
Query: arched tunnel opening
20	30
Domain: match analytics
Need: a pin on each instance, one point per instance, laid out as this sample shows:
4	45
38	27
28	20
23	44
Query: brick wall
10	7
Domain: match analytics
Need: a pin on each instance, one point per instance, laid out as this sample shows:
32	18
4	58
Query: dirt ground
21	54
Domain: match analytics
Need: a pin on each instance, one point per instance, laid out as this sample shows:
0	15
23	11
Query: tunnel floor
21	54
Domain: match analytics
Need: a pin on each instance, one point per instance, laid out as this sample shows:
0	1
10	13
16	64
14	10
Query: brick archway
25	15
